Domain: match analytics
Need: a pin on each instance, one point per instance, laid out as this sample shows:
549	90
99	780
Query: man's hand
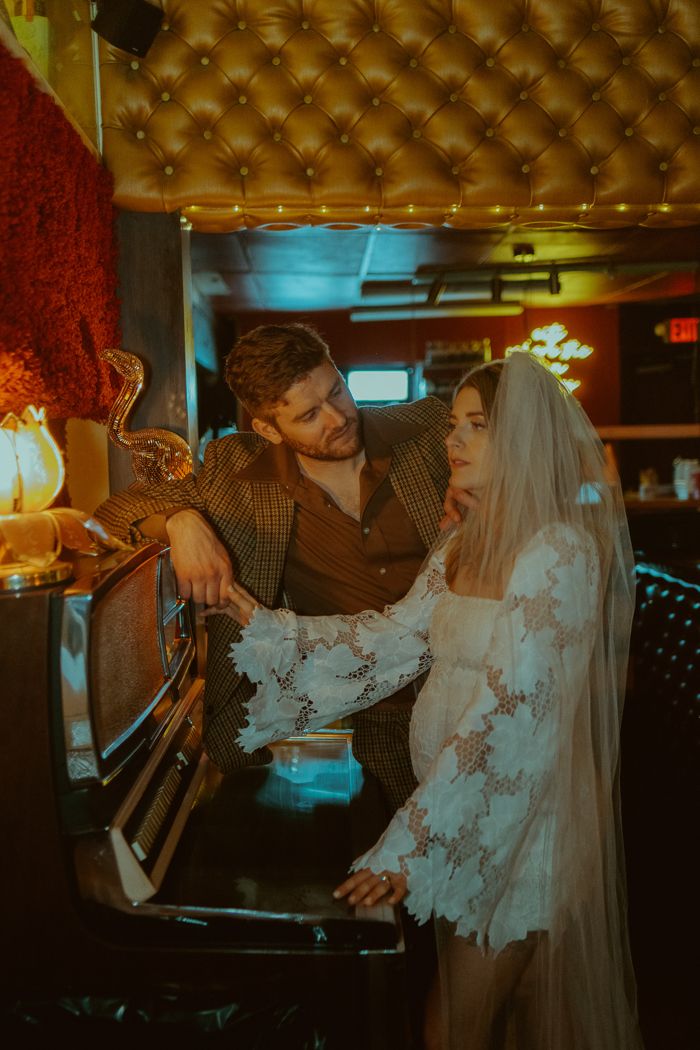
202	565
456	502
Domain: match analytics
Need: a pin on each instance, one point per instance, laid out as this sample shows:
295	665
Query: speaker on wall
131	25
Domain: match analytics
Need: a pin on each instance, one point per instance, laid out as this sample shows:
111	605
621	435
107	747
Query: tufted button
454	97
382	571
343	60
417	133
629	132
366	530
140	134
204	60
663	166
276	60
165	26
305	24
525	169
207	134
276	137
562	133
490	62
452	29
454	169
662	96
661	29
242	99
379	171
596	96
696	130
165	96
596	27
525	27
308	100
242	25
376	27
375	101
524	96
168	169
695	63
490	133
595	170
413	63
135	64
310	172
627	61
561	63
344	138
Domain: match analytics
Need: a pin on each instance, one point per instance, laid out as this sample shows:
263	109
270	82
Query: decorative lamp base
18	576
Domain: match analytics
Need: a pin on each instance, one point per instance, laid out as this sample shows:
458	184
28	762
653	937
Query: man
325	508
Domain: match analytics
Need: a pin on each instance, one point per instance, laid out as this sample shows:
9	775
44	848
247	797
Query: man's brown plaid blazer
254	520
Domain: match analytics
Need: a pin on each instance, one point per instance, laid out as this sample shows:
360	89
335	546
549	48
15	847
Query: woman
512	839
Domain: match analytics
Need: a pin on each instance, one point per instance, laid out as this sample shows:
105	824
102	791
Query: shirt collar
380	431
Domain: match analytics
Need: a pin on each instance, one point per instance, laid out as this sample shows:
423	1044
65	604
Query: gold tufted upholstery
465	113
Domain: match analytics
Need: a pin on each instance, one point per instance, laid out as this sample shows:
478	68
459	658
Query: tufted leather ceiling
469	114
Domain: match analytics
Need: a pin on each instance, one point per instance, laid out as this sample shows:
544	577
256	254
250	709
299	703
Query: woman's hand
240	605
456	502
364	887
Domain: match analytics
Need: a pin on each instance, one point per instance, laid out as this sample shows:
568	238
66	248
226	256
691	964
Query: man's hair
267	361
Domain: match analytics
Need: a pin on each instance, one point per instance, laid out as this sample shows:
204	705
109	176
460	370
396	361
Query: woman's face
468	442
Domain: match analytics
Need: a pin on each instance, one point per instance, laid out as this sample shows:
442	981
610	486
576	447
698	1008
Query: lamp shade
31	465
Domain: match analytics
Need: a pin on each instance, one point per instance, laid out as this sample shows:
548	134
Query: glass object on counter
686	474
648	483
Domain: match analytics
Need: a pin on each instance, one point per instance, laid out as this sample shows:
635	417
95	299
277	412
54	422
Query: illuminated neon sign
556	351
678	330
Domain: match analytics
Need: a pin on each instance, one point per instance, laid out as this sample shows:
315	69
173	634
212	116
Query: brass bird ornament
156	454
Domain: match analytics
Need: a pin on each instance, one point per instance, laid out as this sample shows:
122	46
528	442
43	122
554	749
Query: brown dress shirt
334	563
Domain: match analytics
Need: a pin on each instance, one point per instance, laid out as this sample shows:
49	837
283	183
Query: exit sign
679	330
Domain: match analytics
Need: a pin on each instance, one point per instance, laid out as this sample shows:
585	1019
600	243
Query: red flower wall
58	258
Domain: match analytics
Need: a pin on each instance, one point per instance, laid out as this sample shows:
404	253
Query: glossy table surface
265	847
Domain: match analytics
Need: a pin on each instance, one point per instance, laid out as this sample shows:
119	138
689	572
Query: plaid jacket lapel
413	484
274	513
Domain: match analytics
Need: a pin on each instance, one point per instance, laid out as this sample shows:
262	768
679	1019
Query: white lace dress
494	719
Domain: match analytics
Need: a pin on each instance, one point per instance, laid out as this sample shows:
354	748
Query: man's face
317	417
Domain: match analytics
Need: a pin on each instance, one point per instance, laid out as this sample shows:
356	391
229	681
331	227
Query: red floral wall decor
58	258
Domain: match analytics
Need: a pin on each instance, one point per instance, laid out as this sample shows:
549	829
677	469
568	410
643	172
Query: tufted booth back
466	113
666	665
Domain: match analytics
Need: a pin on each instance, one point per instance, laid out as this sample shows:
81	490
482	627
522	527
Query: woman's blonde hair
547	465
484	379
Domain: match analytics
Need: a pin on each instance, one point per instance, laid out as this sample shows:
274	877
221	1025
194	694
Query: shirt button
382	572
366	530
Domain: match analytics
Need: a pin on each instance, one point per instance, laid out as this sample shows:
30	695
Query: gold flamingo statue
156	454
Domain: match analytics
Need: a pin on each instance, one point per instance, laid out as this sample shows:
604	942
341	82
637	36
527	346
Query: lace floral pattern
314	670
475	840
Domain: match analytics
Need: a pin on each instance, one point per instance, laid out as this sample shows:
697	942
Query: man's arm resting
201	563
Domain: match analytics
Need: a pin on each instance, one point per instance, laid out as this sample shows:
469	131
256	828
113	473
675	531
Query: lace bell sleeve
312	670
480	821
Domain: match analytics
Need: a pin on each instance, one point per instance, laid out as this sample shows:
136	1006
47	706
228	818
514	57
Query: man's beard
330	450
